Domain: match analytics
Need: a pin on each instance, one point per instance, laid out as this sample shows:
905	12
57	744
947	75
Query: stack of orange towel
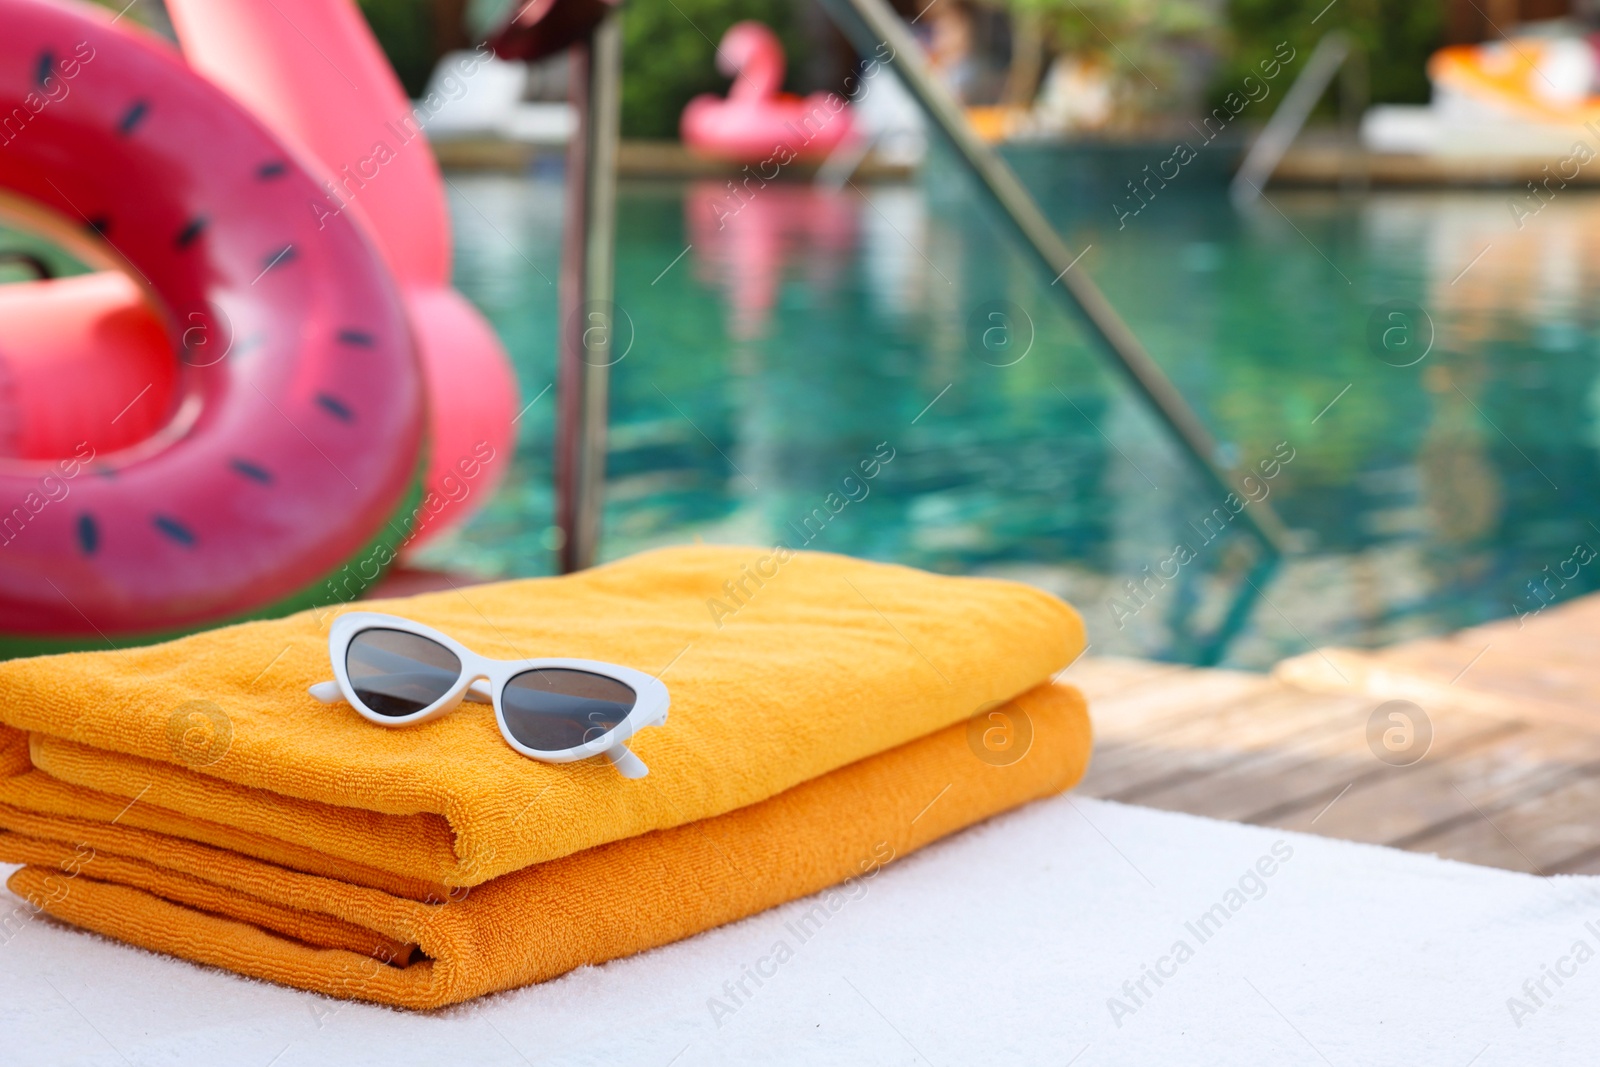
192	797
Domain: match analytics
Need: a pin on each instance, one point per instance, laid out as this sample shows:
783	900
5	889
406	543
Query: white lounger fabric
1022	941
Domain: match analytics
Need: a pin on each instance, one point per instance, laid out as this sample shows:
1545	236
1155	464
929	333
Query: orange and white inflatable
1530	96
1552	80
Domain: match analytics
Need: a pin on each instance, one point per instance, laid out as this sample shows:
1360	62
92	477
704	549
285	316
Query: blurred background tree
1154	54
1160	56
409	32
1396	37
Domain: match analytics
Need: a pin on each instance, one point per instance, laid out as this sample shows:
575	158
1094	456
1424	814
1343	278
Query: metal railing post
1272	144
872	24
585	297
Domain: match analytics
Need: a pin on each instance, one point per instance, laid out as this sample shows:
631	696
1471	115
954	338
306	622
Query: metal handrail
585	299
1272	144
871	24
587	256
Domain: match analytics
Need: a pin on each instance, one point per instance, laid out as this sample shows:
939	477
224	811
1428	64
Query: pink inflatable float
282	442
293	255
756	123
94	330
311	70
296	64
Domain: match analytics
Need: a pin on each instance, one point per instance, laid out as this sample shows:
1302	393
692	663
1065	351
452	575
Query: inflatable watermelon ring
293	445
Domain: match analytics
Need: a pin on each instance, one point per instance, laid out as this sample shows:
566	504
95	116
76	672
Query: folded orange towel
316	933
782	667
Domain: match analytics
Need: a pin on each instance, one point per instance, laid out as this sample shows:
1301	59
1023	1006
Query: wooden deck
1320	159
635	159
1510	779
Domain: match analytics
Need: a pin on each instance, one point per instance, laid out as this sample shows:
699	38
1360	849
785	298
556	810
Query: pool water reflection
1416	372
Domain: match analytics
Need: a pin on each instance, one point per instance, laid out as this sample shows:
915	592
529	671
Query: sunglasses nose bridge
479	692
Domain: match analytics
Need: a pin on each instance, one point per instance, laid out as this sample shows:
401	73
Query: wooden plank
1540	667
1205	744
658	159
1292	751
1556	832
1317	161
1586	862
1108	677
1406	803
1168	708
1310	769
1306	765
1512	779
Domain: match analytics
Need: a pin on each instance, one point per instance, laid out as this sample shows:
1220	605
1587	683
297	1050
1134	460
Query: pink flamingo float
756	122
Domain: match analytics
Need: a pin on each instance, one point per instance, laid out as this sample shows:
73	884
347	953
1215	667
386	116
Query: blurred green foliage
1142	43
1093	25
1396	36
405	29
668	55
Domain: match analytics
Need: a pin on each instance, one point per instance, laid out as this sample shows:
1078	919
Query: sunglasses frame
483	680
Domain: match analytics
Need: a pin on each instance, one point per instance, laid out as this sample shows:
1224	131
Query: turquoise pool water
1416	373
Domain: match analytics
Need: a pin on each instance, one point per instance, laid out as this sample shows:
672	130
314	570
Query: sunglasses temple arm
627	764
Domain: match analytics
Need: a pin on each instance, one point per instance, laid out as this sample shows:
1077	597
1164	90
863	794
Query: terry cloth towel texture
782	667
316	933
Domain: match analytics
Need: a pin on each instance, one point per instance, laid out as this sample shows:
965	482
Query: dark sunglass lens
396	673
551	710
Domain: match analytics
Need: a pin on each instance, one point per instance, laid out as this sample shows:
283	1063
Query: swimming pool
1410	376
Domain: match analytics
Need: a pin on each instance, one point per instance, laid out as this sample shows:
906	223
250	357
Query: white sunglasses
396	672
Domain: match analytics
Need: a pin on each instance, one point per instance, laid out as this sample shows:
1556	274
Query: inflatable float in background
292	435
1546	80
755	122
1532	95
